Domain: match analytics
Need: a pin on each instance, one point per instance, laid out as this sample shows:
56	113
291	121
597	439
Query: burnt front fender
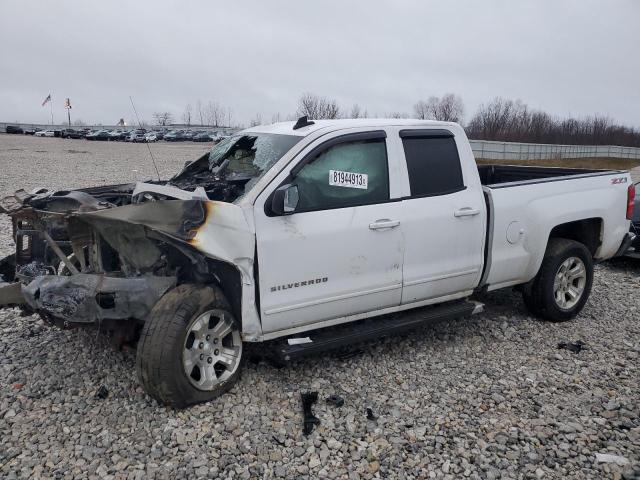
86	298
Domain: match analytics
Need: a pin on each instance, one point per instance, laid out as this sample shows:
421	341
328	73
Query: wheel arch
200	269
587	231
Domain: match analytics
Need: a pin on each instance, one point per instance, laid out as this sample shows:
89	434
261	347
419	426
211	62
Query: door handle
383	223
466	212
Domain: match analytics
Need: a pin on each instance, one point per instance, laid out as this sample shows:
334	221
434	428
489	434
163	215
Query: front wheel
190	348
563	284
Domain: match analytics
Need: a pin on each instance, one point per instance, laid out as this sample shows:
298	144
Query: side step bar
330	338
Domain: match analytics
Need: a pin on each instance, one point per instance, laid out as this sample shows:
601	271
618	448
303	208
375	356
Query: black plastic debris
308	399
335	400
102	392
370	415
575	347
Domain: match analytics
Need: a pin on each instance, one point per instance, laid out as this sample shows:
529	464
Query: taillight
631	198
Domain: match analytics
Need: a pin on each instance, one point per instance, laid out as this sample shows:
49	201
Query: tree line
210	113
500	119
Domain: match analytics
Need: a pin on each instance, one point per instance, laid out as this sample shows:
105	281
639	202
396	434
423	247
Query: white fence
540	151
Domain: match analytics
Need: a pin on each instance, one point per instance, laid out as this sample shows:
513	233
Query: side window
433	164
344	175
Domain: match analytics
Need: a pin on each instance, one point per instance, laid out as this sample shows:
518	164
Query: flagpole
51	107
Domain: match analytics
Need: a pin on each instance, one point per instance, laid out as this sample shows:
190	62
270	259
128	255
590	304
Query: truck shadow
624	264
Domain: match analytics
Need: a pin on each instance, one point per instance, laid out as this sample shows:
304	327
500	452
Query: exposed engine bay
110	252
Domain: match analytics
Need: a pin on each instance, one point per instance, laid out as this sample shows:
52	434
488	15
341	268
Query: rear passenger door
443	218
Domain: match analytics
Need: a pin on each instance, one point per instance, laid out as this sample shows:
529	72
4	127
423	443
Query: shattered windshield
249	155
234	165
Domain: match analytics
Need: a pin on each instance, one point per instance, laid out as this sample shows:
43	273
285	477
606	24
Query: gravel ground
484	397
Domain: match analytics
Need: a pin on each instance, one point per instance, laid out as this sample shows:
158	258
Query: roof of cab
286	128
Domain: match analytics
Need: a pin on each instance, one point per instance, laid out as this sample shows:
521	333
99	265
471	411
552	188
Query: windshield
235	164
249	155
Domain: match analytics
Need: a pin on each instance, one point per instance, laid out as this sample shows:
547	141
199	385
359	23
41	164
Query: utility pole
67	105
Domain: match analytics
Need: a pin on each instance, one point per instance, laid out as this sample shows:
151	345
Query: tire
561	301
174	338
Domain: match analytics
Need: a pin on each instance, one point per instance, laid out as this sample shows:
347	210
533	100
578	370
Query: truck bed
499	175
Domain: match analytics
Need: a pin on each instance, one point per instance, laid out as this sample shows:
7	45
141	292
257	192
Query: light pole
67	105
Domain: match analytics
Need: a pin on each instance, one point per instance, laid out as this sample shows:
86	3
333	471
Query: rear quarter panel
526	213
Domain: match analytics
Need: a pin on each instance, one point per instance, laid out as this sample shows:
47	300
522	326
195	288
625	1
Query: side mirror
285	200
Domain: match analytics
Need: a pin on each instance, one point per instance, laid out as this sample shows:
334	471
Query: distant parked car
98	135
70	133
115	135
45	133
13	129
29	130
203	137
138	136
152	136
175	136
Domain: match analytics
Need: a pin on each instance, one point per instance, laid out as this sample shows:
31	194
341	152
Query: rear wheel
190	349
563	284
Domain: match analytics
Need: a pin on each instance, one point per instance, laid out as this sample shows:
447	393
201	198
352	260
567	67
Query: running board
318	341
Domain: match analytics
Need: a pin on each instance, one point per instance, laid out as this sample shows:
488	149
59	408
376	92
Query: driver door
338	251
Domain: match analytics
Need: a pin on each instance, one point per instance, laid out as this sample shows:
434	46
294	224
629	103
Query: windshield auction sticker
338	178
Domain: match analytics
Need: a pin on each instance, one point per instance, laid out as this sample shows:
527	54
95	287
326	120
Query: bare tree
229	116
316	107
449	108
186	116
421	110
200	112
163	118
215	114
356	111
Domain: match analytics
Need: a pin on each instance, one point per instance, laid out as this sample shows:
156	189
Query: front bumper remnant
88	298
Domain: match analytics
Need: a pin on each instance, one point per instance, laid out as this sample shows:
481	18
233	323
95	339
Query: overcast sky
568	57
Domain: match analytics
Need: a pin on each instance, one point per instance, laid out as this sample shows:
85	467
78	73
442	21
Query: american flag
46	100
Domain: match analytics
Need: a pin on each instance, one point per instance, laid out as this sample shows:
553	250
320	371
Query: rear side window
433	164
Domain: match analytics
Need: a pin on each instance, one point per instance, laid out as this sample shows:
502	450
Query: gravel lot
483	397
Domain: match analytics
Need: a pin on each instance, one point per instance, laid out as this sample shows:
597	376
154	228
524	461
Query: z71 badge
617	180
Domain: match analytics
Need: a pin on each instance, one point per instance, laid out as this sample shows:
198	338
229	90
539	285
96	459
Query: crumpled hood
217	229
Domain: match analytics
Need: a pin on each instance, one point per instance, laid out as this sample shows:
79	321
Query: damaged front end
106	254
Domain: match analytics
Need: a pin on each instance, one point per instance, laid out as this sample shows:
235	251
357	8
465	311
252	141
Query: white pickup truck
284	230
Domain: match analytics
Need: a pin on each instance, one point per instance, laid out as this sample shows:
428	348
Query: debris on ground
610	458
308	399
370	415
574	347
102	392
335	400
